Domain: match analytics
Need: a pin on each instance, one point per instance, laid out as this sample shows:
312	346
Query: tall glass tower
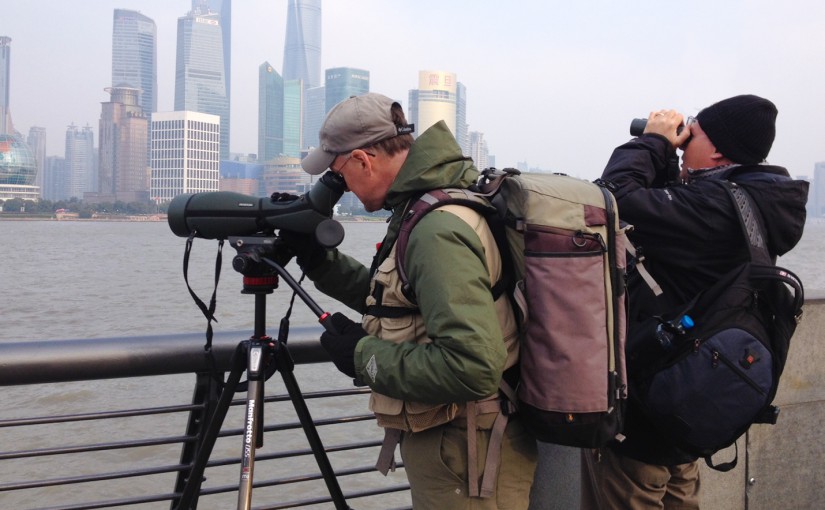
302	50
5	66
200	84
223	8
343	82
293	119
134	56
270	113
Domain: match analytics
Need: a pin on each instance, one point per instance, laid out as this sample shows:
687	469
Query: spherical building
17	164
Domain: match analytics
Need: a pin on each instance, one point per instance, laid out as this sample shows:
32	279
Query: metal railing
109	454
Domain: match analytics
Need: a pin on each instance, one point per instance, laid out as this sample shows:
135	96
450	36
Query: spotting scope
220	214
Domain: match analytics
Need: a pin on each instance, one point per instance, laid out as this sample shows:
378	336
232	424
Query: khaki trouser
435	461
612	481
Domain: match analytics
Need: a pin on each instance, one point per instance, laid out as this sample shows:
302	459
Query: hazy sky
552	83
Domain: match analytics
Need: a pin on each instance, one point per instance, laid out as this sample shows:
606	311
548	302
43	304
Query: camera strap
208	312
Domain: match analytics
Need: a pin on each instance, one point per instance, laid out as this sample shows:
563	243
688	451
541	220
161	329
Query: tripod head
258	276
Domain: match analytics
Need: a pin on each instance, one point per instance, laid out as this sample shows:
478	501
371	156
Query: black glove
341	345
307	251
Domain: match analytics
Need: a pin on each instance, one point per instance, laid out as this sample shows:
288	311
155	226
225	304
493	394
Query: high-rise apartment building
461	128
80	163
302	49
270	113
134	56
200	84
123	171
478	150
185	154
37	143
5	70
343	82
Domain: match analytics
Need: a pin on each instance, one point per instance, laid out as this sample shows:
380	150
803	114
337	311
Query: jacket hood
780	199
435	161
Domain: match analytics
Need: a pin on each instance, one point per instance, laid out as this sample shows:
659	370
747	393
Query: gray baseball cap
355	122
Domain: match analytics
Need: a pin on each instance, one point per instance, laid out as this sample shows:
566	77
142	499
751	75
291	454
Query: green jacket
446	267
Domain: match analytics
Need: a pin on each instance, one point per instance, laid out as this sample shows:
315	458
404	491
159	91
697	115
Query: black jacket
690	236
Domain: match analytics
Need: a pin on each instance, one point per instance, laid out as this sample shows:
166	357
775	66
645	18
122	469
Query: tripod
256	356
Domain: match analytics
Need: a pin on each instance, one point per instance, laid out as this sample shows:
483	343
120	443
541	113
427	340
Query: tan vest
417	416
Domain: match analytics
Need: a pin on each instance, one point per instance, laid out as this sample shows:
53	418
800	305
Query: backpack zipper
716	356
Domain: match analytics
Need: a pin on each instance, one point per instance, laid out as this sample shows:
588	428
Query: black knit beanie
742	128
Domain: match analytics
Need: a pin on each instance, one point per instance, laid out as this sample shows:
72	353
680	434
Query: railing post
205	396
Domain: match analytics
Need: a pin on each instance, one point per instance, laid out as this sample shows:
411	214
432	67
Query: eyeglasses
340	169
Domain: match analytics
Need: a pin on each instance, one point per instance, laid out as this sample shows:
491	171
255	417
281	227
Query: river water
88	279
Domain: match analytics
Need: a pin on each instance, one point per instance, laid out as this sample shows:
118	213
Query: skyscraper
134	56
314	113
435	100
302	50
343	82
124	139
293	117
200	84
223	8
37	143
270	113
5	69
461	127
80	161
185	154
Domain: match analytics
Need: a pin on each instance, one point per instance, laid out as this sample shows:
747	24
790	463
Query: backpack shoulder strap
427	202
751	221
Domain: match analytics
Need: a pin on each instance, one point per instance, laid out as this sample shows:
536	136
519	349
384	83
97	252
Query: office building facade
123	170
293	117
81	161
55	179
200	84
314	113
186	149
270	113
37	143
223	8
343	82
134	56
5	78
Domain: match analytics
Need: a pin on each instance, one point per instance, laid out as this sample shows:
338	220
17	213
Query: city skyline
555	89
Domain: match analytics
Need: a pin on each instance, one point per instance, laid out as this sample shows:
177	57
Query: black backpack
704	372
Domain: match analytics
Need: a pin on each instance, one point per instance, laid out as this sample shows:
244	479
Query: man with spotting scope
434	362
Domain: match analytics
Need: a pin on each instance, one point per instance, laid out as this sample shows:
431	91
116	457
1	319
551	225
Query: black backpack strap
751	221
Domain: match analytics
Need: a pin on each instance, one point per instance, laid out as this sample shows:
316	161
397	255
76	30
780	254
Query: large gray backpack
564	257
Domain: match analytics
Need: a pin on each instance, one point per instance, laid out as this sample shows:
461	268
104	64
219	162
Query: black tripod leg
193	484
254	403
285	364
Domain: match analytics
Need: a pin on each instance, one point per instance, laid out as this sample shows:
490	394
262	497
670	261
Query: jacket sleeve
682	228
446	265
344	279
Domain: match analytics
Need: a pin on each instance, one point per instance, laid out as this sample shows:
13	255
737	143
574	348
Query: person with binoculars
434	357
690	233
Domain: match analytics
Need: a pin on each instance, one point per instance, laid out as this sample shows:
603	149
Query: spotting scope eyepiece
220	214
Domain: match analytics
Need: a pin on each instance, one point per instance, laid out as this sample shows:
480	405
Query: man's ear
720	159
361	158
